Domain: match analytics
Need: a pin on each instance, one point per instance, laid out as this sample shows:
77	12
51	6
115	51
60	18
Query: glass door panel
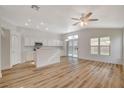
75	48
72	48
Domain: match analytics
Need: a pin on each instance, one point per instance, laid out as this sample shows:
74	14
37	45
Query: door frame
67	43
0	54
77	46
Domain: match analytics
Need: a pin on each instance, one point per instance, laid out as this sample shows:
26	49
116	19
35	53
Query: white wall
11	29
7	25
116	44
38	34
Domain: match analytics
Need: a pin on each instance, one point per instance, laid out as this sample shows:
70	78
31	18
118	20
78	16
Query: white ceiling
58	18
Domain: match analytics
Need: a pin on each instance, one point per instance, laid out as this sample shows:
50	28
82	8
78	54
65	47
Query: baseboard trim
99	61
6	69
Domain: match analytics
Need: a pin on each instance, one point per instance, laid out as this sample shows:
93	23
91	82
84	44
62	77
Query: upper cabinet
31	42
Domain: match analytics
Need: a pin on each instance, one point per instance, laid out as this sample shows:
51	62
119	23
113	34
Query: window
94	45
100	46
71	37
105	46
75	36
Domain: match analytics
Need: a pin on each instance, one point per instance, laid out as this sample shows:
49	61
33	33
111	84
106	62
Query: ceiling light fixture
26	24
42	23
82	23
46	28
85	23
29	20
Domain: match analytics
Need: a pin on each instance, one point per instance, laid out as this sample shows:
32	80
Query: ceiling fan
84	19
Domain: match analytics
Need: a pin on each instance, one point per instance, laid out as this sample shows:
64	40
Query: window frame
105	46
99	46
94	46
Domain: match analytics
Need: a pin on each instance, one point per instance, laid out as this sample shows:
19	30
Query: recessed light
29	20
42	23
46	28
26	24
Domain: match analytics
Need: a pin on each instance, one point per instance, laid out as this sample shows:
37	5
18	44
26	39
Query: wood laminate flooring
69	73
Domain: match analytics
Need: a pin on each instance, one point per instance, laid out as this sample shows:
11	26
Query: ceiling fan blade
88	15
76	23
75	19
93	19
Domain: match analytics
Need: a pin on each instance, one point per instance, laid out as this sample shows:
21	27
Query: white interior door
16	49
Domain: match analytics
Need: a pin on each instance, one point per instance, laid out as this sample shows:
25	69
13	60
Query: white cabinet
54	43
31	42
